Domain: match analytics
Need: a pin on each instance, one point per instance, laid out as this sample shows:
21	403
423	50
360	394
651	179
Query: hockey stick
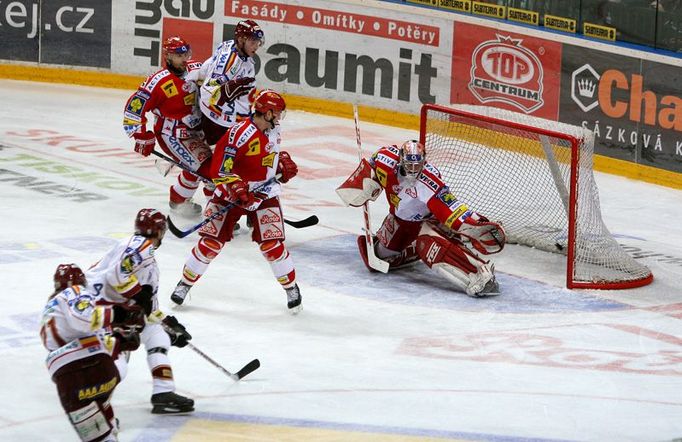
372	259
158	316
183	233
244	371
306	222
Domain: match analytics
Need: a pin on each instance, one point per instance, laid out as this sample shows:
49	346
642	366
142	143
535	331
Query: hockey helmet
412	158
175	45
150	223
67	275
268	99
249	29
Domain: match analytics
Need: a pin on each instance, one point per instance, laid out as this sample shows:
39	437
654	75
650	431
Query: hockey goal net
535	177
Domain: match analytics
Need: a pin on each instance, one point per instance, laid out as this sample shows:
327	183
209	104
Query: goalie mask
67	275
412	158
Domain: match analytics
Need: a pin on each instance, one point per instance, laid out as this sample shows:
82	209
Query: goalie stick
372	259
158	316
306	222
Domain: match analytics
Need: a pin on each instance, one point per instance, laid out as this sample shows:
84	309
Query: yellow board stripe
371	114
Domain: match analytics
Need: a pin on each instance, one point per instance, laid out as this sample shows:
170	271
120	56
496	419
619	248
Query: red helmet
67	275
269	100
175	45
249	29
150	223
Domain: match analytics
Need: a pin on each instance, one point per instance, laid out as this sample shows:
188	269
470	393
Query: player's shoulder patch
432	169
430	181
154	79
136	104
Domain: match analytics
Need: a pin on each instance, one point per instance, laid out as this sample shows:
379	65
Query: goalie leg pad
457	264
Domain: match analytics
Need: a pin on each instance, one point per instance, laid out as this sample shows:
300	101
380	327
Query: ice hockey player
417	196
171	95
82	350
229	77
125	271
246	162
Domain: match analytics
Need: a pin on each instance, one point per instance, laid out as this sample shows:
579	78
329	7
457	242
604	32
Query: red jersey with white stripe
73	327
247	153
418	199
122	272
224	65
167	96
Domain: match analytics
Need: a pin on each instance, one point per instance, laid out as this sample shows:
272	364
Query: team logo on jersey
187	87
136	105
82	305
254	148
169	89
268	160
411	191
189	99
382	177
270	146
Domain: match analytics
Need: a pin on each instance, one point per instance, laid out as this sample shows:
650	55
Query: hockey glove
234	89
143	298
128	318
177	332
144	143
129	341
286	167
238	192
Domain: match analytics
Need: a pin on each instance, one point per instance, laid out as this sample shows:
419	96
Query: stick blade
306	222
248	369
174	229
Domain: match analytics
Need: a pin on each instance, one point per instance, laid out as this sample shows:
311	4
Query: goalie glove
486	236
144	143
177	332
359	187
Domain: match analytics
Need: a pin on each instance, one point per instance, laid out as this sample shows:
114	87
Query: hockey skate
171	403
180	293
294	299
187	209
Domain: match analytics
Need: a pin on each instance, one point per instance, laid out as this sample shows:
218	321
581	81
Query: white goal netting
535	177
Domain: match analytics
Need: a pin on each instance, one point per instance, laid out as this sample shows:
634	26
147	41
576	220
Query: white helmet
412	158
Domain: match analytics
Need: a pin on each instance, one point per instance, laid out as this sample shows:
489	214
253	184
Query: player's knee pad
90	422
273	250
207	249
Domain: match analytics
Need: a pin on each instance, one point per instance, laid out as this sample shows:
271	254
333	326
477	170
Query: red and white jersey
122	272
73	327
249	154
224	65
415	200
168	96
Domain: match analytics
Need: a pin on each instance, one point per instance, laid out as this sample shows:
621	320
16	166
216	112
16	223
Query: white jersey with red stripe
73	327
124	269
224	65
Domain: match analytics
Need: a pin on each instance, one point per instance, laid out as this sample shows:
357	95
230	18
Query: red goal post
535	176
